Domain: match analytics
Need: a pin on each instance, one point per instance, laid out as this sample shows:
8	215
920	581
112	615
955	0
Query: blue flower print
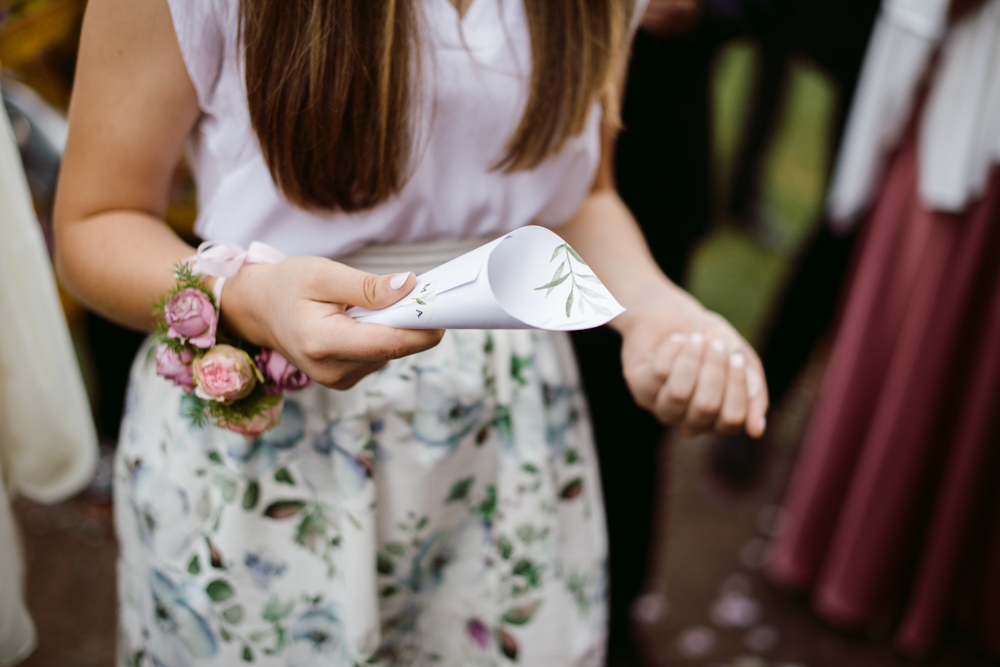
262	571
176	615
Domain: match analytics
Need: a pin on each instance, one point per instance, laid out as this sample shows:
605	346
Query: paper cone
528	279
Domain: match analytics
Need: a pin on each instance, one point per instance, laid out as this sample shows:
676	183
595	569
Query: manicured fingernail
398	280
678	338
697	339
737	360
718	346
753	382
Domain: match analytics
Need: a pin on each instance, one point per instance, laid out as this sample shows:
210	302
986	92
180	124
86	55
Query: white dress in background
445	511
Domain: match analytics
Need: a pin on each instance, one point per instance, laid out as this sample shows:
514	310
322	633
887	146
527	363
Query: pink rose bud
225	373
257	426
279	374
176	367
191	317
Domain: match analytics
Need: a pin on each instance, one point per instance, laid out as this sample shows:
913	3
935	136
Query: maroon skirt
893	509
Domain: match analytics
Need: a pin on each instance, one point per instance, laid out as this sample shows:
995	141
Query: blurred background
773	112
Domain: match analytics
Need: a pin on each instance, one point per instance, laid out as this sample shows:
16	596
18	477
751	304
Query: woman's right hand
298	308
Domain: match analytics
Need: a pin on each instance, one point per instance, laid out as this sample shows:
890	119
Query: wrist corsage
229	383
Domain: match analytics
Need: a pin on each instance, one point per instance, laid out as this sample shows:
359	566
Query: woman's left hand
690	368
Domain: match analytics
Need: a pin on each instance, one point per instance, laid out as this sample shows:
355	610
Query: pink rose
279	373
225	373
176	367
256	427
192	318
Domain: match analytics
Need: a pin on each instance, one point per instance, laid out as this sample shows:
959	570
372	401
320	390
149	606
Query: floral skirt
445	511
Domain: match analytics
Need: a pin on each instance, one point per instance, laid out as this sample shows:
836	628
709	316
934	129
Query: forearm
119	263
606	235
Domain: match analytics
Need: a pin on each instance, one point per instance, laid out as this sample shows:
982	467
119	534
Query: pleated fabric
892	509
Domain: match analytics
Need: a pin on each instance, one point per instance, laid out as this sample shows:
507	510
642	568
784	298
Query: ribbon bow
223	260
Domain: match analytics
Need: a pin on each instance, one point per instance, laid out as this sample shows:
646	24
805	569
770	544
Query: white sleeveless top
475	87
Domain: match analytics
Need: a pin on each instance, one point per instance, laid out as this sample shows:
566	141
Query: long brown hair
330	88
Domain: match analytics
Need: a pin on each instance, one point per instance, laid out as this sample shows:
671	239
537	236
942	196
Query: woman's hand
690	368
297	308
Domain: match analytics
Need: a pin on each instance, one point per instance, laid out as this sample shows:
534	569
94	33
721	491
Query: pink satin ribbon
223	260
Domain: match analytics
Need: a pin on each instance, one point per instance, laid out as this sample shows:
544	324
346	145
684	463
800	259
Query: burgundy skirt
893	509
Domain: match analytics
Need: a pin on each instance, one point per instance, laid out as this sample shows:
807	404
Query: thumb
351	287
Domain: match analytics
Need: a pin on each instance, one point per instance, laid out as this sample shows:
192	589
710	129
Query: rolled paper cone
528	279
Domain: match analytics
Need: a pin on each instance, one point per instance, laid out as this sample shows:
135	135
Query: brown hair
329	86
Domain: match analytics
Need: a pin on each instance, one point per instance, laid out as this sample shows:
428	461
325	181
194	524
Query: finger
338	283
675	394
734	404
664	355
756	421
344	339
707	399
646	377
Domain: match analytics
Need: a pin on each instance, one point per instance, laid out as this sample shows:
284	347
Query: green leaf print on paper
284	509
460	490
247	654
219	590
395	548
587	296
251	495
522	614
194	567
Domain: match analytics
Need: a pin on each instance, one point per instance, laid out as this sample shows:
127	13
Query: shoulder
207	31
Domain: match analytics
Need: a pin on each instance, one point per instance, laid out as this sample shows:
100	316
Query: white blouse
475	86
959	131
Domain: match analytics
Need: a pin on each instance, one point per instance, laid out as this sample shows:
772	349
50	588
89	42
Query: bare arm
686	365
133	108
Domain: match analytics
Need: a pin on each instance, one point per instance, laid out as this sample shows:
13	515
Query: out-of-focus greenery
733	272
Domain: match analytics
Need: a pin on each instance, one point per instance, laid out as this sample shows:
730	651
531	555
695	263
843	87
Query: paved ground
716	611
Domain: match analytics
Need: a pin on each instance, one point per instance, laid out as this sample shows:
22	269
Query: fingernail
763	424
718	346
753	382
398	280
678	338
697	339
737	360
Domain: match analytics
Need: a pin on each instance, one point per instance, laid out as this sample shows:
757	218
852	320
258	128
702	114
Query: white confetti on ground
770	519
750	661
736	584
696	642
752	553
650	607
735	611
762	639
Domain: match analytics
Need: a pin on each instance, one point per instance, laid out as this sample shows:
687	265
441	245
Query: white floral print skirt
445	511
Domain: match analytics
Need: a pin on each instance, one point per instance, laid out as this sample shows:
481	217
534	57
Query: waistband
419	257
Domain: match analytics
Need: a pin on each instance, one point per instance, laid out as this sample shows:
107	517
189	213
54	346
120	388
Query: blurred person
892	512
48	446
414	513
